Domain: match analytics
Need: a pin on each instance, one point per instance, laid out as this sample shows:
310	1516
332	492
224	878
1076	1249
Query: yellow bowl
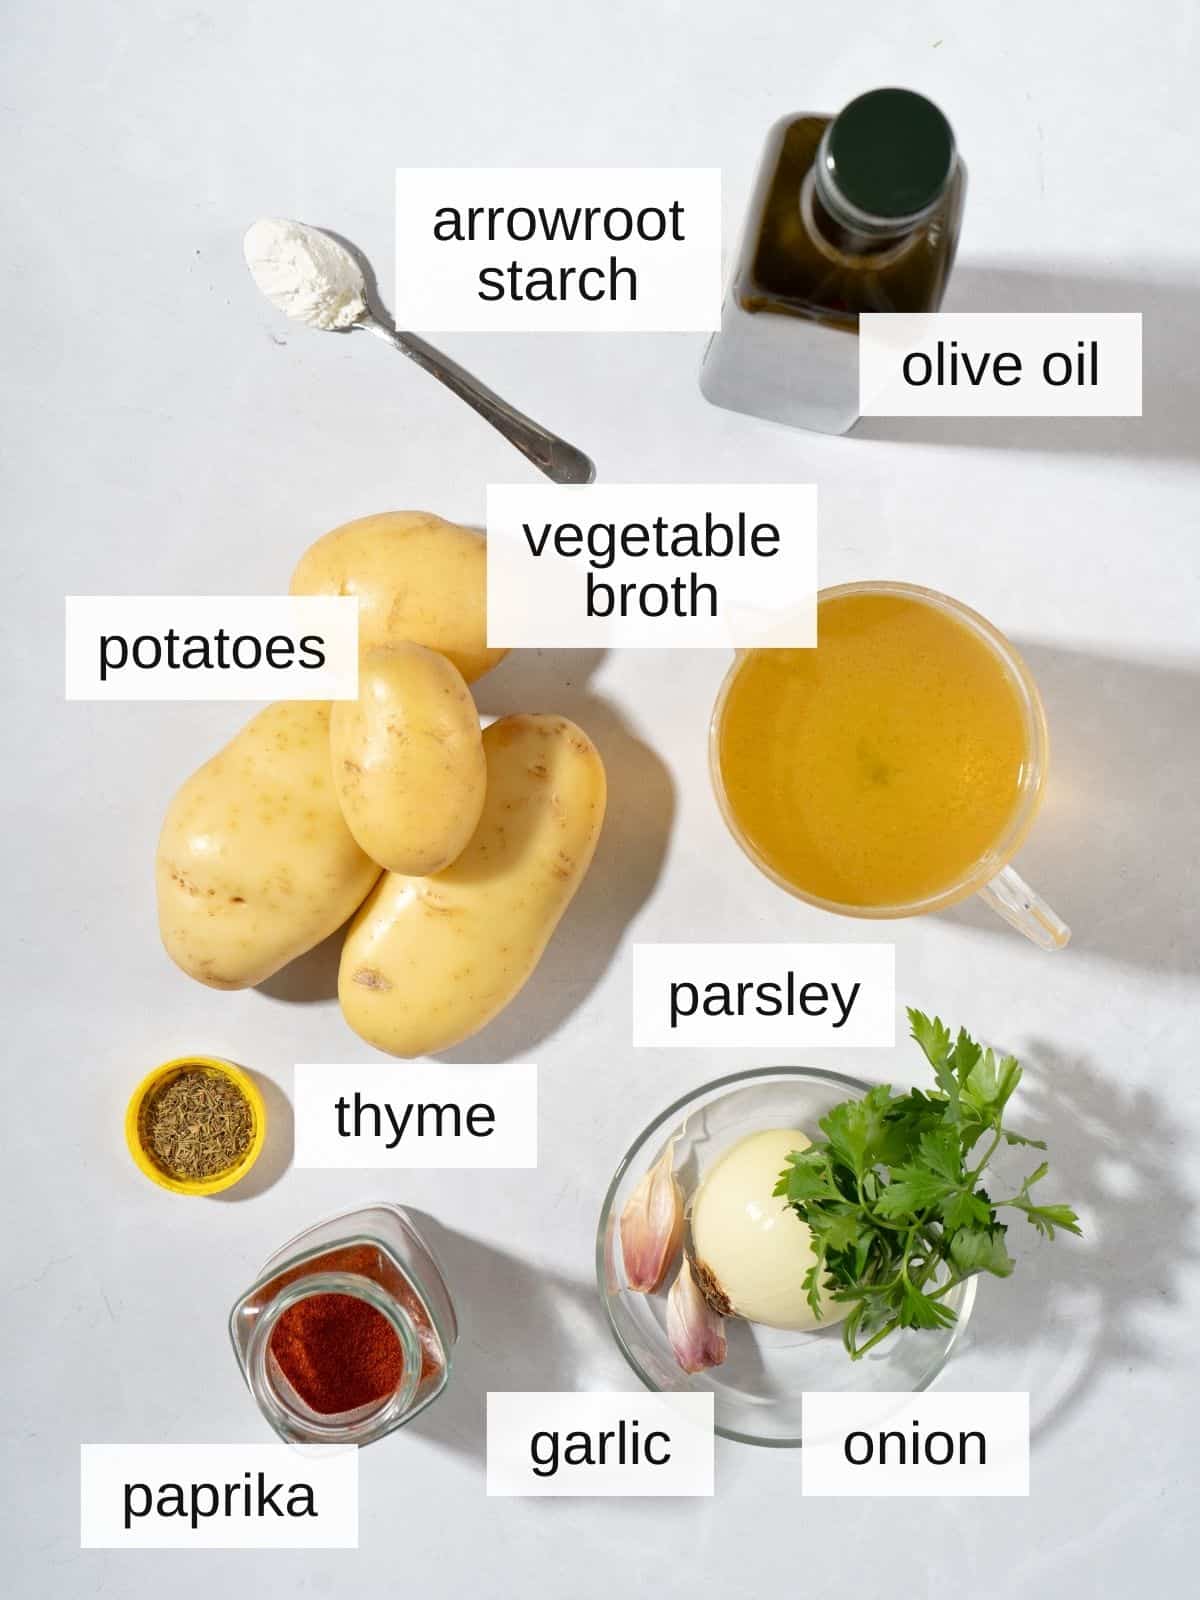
158	1079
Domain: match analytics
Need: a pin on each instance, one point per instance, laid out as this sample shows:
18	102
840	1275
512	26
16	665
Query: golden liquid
878	768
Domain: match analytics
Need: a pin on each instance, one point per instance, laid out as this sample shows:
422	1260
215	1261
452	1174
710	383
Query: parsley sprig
892	1193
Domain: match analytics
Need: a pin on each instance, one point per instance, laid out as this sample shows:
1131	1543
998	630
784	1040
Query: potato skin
408	761
429	961
418	579
255	863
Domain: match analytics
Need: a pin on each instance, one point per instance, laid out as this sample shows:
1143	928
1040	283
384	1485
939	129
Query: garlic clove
696	1331
652	1225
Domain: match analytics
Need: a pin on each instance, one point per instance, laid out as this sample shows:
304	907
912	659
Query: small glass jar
375	1255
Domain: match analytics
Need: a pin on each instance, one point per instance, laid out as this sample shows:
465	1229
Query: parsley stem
860	1350
973	1177
951	1283
894	1323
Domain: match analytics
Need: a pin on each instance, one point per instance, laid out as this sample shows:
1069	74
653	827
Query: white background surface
165	430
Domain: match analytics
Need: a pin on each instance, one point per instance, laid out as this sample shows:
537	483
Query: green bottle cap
889	154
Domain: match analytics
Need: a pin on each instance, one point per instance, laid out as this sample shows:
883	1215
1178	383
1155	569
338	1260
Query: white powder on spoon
308	275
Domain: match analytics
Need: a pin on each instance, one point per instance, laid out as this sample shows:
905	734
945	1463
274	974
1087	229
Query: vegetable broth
877	769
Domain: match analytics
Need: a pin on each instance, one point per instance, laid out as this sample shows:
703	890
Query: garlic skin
695	1331
652	1225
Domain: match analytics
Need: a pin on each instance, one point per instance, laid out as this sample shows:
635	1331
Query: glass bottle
377	1256
858	212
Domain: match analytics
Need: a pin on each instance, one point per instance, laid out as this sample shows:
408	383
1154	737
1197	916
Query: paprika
337	1352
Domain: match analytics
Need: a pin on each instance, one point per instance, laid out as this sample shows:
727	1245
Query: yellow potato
408	760
428	961
418	579
255	862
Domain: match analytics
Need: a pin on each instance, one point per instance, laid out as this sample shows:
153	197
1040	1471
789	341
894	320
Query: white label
425	1115
218	1497
599	1444
1000	364
212	647
746	995
558	249
915	1444
647	566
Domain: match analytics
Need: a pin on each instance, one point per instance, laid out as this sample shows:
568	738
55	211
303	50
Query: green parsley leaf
963	1208
855	1127
918	1310
1046	1219
966	1055
934	1039
807	1177
989	1086
1010	1137
837	1230
942	1153
981	1250
913	1189
812	1281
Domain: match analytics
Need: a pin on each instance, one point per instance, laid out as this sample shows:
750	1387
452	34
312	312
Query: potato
408	761
418	579
428	961
255	862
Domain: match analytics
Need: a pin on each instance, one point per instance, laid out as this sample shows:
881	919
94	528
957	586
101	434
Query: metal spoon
560	461
319	278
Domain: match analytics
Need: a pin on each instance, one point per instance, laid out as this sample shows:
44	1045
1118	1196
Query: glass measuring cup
990	874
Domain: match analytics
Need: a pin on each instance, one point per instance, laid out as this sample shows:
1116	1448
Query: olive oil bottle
858	212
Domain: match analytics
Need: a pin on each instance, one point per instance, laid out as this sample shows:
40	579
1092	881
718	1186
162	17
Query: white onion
750	1242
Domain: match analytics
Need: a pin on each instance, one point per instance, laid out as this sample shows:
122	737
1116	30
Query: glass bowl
758	1389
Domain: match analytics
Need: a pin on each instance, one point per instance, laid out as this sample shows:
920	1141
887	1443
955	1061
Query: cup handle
1011	897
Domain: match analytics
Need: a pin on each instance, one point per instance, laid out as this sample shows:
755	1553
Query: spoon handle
560	461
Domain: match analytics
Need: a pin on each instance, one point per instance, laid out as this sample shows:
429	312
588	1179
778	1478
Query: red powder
337	1352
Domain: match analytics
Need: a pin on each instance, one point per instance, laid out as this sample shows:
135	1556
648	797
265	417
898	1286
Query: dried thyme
197	1126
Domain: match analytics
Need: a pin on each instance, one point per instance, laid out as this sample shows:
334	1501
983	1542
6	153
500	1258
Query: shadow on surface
519	1328
1087	1301
276	1156
1169	426
312	976
1114	846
